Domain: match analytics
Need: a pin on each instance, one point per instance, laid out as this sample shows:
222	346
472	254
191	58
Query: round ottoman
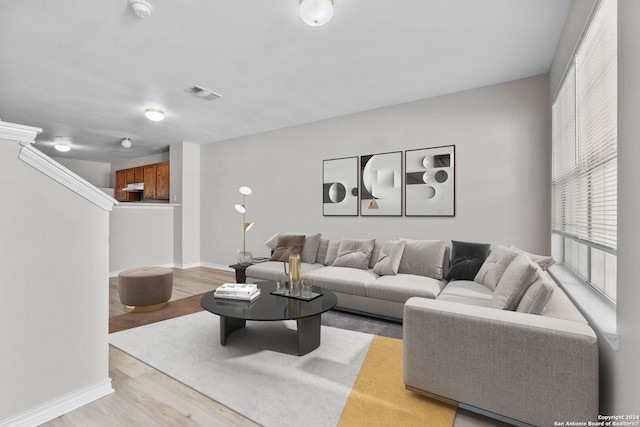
146	288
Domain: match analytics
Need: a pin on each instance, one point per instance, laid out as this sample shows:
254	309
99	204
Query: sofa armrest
527	367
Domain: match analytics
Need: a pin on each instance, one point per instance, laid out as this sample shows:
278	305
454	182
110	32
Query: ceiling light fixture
62	147
142	8
62	144
316	12
126	142
154	114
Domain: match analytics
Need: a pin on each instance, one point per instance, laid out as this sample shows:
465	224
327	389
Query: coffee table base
308	334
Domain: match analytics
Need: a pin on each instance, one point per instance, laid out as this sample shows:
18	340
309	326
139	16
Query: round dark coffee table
234	314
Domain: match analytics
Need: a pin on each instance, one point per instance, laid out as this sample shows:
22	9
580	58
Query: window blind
585	138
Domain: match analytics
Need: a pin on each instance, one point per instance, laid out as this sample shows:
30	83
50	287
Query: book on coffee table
238	291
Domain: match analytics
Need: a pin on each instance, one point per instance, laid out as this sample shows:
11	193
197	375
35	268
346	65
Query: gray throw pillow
354	253
310	248
494	266
423	258
389	258
513	284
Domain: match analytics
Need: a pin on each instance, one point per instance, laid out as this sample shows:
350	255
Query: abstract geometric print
381	184
430	181
340	187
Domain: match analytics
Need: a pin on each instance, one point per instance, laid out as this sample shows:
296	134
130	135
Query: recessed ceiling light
154	114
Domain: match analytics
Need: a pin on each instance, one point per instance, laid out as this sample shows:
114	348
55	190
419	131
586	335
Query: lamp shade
240	208
245	190
316	12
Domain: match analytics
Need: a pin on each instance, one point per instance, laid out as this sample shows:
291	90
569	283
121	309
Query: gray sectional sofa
483	325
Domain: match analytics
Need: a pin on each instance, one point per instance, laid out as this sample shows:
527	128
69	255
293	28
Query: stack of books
238	291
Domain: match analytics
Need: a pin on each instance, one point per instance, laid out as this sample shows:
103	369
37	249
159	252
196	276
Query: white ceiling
87	69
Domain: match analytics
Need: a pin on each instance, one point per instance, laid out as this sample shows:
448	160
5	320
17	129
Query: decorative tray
314	295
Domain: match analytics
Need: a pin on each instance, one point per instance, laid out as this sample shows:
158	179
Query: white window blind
584	136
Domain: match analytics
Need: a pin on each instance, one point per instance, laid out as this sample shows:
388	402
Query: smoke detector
142	8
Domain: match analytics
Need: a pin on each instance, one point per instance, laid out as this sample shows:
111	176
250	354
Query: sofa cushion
423	257
309	249
467	289
401	287
389	258
332	252
354	253
513	284
536	297
543	261
321	255
341	279
288	244
274	270
466	259
465	300
494	266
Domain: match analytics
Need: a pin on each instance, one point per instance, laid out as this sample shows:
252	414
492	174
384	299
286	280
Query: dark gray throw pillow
466	259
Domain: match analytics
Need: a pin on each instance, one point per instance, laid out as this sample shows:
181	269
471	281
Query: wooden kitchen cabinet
123	178
156	181
162	181
155	178
150	181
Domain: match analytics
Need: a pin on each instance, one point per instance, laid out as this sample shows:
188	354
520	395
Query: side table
241	272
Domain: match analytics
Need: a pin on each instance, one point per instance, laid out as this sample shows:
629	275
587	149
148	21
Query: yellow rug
379	398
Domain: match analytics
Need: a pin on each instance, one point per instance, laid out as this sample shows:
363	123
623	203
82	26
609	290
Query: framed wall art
381	184
430	182
340	187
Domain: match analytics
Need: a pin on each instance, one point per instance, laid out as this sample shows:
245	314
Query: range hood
139	186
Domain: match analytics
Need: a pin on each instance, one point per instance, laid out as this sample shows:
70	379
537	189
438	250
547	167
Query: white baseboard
60	406
216	266
184	266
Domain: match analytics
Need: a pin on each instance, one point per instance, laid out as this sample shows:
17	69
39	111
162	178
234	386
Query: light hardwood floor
145	396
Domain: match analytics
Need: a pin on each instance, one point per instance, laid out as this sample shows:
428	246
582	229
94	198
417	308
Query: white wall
140	236
185	190
620	394
97	173
55	289
501	134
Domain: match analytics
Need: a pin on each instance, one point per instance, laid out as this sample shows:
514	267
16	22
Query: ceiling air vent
203	93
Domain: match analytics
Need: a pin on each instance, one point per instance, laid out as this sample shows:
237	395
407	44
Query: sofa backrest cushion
494	266
544	261
354	253
309	249
321	256
287	244
536	297
389	258
513	284
423	258
466	259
